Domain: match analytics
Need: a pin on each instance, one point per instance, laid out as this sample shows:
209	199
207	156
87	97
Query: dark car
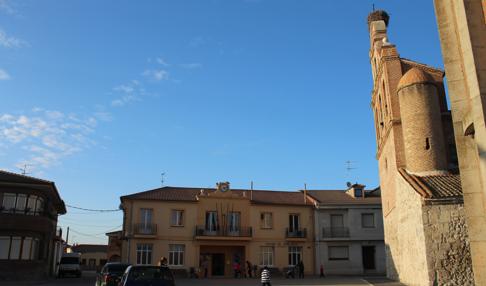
110	274
144	275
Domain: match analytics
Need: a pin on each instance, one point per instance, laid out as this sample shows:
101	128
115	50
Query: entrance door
368	257
217	264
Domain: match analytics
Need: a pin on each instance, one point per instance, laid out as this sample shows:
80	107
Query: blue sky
103	96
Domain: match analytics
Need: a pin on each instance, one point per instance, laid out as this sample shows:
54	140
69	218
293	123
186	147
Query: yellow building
217	230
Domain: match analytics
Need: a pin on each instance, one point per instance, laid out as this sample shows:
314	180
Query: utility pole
67	235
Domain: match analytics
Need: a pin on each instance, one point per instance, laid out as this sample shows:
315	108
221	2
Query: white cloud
45	137
191	65
4	75
162	62
156	75
10	42
6	6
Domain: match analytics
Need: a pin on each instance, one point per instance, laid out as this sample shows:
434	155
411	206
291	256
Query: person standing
301	269
265	277
163	261
248	268
322	271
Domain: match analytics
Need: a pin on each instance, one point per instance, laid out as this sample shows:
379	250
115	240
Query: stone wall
410	255
448	250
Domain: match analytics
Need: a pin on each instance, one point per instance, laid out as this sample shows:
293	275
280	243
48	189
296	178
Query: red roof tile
189	194
340	197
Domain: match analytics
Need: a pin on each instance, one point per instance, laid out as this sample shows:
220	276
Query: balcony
296	233
143	229
335	232
242	233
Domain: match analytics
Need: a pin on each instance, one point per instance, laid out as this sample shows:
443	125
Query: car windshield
116	268
150	274
69	260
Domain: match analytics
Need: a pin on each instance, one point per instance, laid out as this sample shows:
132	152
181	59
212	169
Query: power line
93	210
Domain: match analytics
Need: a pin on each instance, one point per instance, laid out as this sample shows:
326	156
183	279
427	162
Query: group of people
251	270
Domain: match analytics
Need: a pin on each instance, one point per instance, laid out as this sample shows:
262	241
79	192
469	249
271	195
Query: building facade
424	221
215	231
114	246
349	238
93	256
30	241
462	31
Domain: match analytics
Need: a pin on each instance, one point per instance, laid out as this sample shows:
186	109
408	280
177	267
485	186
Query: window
427	143
337	220
144	253
368	220
4	246
9	202
266	220
295	255
338	253
146	221
294	223
31	205
39	206
177	218
266	256
26	248
21	202
358	193
176	254
15	247
212	221
234	222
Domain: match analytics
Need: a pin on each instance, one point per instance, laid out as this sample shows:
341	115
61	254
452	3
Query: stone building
349	231
425	231
462	31
216	229
30	241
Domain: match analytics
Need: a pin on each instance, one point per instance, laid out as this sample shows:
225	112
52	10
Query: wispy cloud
6	6
156	74
161	61
45	137
191	66
4	75
127	93
9	41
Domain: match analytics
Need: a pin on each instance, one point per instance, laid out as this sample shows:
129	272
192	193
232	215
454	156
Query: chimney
305	193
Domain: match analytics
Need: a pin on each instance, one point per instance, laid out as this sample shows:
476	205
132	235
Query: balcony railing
145	229
335	232
296	233
201	230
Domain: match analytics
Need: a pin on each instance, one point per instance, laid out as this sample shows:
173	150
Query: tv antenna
24	169
349	165
162	175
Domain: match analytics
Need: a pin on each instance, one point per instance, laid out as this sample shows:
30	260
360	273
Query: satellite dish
349	184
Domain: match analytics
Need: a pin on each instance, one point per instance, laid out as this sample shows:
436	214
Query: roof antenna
251	191
24	169
162	179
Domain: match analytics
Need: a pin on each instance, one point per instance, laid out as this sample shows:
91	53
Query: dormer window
358	193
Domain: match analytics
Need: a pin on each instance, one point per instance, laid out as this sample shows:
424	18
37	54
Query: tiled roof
44	185
189	194
89	248
413	76
444	186
340	197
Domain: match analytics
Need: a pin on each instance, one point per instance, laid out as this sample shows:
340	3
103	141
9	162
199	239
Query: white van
70	264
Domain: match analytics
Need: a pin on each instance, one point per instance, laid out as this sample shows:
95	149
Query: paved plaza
89	279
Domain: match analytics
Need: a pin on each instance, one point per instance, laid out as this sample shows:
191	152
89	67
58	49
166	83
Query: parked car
110	274
144	275
70	264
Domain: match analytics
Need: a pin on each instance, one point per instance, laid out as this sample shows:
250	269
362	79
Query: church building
426	234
